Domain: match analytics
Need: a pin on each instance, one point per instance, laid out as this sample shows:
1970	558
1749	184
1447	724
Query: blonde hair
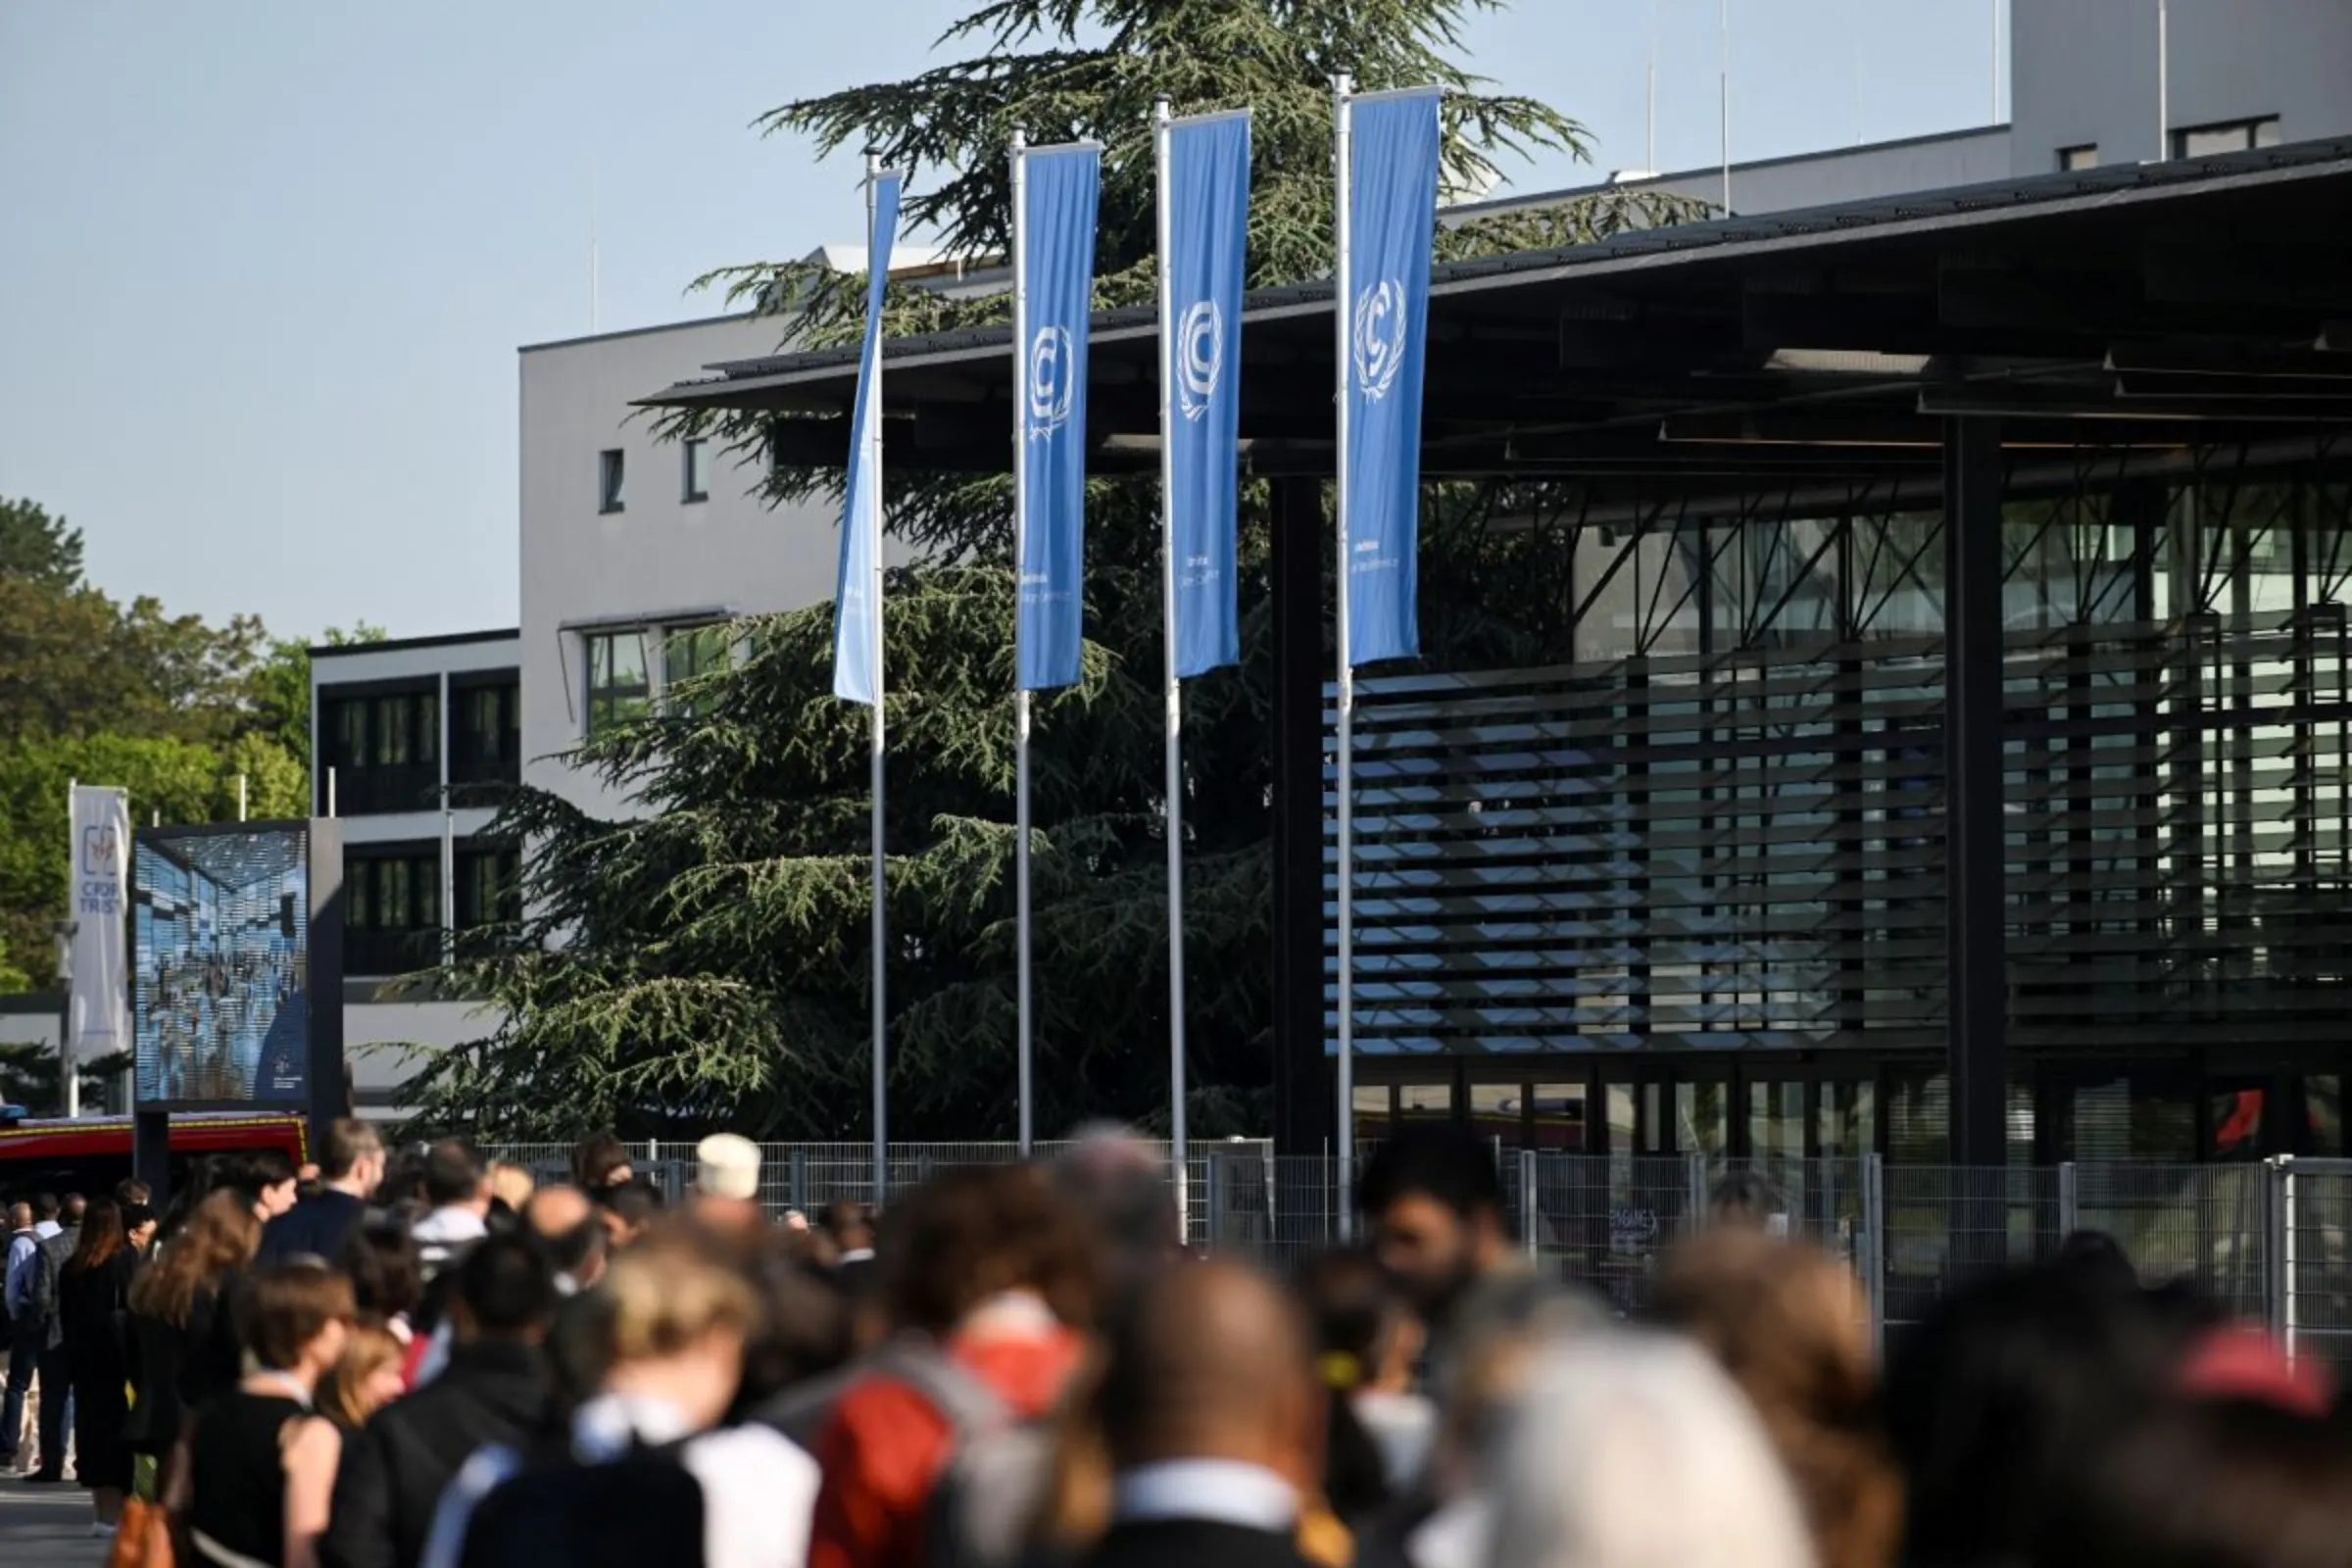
511	1185
669	1292
368	1350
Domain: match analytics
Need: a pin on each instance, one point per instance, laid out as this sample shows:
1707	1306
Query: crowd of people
430	1362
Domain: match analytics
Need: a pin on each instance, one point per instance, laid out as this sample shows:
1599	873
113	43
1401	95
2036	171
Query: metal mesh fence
2270	1242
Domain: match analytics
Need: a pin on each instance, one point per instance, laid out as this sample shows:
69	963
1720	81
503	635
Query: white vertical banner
98	1007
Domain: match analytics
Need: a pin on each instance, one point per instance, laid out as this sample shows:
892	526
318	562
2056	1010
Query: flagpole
1172	687
1342	295
1020	692
69	1071
871	436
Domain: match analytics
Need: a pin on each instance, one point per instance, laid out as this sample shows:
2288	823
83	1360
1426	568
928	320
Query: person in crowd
600	1163
1367	1342
262	1458
643	1474
850	1227
132	1194
1434	1200
56	1414
804	1337
457	1189
351	1166
495	1392
1746	1200
628	1211
726	1187
93	1295
1211	1421
48	1214
24	1336
366	1378
570	1235
2011	1384
1787	1323
387	1280
183	1342
993	1268
510	1188
270	1181
1634	1449
1120	1185
2099	1255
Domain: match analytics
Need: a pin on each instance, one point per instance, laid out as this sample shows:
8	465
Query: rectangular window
610	479
698	468
2236	136
389	724
618	691
486	727
2071	159
688	655
488	888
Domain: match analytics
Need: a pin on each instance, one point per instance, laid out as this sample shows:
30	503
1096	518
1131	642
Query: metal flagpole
871	435
2164	83
69	1071
1020	692
1342	299
1723	89
1169	350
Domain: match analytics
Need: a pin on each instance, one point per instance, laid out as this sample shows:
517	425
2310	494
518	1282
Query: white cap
727	1167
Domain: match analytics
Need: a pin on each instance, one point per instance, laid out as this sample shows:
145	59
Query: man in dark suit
351	1166
1214	1424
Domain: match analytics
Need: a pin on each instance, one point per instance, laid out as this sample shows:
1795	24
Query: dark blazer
1193	1543
319	1226
395	1469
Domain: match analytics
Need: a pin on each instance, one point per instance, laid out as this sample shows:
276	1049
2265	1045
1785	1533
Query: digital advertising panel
222	977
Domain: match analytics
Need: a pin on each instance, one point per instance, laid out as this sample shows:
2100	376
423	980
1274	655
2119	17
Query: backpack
985	1498
47	1262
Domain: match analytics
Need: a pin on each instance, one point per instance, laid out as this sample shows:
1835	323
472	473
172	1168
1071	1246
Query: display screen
220	1000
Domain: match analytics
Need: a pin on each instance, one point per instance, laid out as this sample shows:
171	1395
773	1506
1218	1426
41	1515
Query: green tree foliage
168	706
705	963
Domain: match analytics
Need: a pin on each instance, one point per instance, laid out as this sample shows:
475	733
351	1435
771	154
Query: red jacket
886	1445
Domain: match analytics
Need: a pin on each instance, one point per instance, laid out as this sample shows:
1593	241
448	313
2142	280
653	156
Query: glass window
487	714
1558	1110
691	653
618	692
391	731
2237	137
610	481
1495	1113
1424	1102
425	713
698	468
2071	159
1371	1113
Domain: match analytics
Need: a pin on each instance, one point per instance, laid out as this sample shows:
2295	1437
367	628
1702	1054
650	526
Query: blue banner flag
1054	241
857	615
1392	210
1208	229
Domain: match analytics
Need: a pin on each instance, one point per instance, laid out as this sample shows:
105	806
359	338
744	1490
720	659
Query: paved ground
47	1527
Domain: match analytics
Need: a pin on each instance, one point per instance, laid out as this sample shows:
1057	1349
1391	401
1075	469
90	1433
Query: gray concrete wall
2083	72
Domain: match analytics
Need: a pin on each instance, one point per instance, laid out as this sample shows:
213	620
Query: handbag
143	1540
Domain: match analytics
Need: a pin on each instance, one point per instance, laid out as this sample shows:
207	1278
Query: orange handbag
144	1538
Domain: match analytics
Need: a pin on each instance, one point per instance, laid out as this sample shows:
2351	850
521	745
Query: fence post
1874	1249
1694	1217
798	1163
2070	1200
2285	1318
1214	1198
1531	1211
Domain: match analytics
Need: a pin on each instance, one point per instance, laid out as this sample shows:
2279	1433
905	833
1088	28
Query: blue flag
857	617
1201	358
1056	269
1392	210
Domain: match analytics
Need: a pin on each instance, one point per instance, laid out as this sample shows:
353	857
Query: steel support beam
1976	974
1304	1115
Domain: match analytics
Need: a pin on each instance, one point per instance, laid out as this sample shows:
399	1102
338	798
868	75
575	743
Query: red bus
90	1154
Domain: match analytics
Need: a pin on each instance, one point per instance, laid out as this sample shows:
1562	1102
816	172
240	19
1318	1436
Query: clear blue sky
263	265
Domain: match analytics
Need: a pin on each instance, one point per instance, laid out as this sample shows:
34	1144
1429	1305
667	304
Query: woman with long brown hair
93	1292
183	1345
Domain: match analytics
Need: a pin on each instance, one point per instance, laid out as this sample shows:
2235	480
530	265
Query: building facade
410	741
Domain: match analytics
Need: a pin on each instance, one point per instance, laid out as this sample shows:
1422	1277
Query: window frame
715	636
2259	131
611	480
695	449
602	704
2079	158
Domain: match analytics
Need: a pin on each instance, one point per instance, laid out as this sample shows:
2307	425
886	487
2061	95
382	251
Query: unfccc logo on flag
1199	357
1049	382
1379	336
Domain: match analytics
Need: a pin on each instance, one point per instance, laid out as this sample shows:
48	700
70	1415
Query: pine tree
707	964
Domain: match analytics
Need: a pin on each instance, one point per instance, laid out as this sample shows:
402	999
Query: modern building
410	740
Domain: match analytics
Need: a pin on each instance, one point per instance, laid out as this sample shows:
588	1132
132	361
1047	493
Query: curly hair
972	1234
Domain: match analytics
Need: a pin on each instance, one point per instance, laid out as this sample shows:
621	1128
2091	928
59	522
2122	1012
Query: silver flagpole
871	436
1020	692
1169	350
1342	294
